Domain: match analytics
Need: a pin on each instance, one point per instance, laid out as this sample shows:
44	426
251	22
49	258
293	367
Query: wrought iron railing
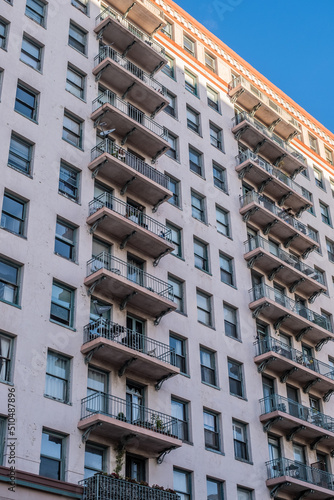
270	344
103	487
109	97
129	338
285	467
131	213
134	274
264	291
288	258
285	405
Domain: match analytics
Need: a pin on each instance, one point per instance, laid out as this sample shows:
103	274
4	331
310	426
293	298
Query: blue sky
291	42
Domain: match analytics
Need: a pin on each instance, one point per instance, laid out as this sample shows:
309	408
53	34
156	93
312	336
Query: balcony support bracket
96	223
264	184
332	453
277	487
328	395
314	296
99	74
308	251
161	315
127	184
322	342
295	430
314	444
303	332
157	29
124	302
125	366
251	262
273	273
157	259
296	284
161	63
262	366
278	323
245	171
274	123
91	353
125	15
160	202
158	154
157	109
310	384
296	172
162	455
302	210
99	36
128	90
127	135
249	213
284	198
286	375
98	168
279	161
240	132
158	385
128	48
268	425
304	494
269	226
237	95
94	285
257	311
255	108
89	429
291	136
288	242
259	146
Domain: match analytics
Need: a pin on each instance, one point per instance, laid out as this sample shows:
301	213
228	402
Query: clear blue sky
291	42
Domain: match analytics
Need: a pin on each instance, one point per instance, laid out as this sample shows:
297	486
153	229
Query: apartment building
166	264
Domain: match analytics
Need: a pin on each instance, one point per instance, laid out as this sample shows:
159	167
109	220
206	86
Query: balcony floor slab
297	486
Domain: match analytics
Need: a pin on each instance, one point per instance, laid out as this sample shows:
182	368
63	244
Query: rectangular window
178	292
3	33
226	269
192	120
172	141
212	97
3	432
190	82
195	161
309	196
189	45
72	130
57	377
75	82
176	239
180	412
65	240
81	5
69	182
230	321
223	221
94	460
179	355
214	489
168	29
26	102
171	108
6	355
20	154
35	9
174	187
52	463
313	143
216	137
330	250
77	38
9	282
31	53
314	234
201	255
241	451
210	62
211	430
332	186
324	211
62	304
208	367
182	484
318	177
204	312
198	206
329	156
169	68
13	214
244	494
235	378
219	177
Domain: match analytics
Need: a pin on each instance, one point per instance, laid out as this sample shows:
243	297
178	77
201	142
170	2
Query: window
190	82
330	250
77	38
3	33
327	317
9	282
223	221
179	355
135	467
324	211
189	45
168	29
81	5
197	206
211	430
6	354
216	136
313	143
3	429
235	378
192	120
97	386
329	156
171	108
226	269
204	314
13	214
172	141
240	441
94	460
210	62
62	304
65	240
52	463
208	367
201	255
181	484
319	181
176	239
57	377
214	489
309	196
219	177
35	9
31	53
244	494
230	321
69	182
178	292
314	234
332	186
75	82
20	153
212	97
169	68
180	412
72	130
174	187
195	161
26	102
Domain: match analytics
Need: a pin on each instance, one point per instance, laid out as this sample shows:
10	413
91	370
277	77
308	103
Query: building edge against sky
166	264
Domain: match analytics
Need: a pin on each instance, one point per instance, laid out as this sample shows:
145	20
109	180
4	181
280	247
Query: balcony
128	284
261	140
130	125
292	272
130	226
279	309
144	13
292	419
112	163
127	79
271	181
251	99
150	431
130	40
128	351
289	363
277	221
102	487
294	478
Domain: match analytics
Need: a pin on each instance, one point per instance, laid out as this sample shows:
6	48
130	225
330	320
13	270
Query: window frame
67	131
211	67
220	182
329	156
191	87
176	241
21	220
180	358
207	311
189	45
71	244
176	193
196	168
23	88
205	255
15	287
234	325
169	68
313	143
69	83
227	224
193	125
6	363
186	495
210	369
26	38
33	15
170	109
61	460
184	422
220	488
212	104
201	210
218	140
325	213
172	152
239	379
230	272
216	430
28	145
66	381
73	41
180	299
4	37
244	444
76	188
97	447
318	178
70	308
81	5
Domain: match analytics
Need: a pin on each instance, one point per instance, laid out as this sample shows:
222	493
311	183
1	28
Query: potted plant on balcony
121	416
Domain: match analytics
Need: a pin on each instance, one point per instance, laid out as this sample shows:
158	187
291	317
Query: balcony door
134	403
298	469
293	397
268	394
279	293
135	467
135	333
97	389
135	270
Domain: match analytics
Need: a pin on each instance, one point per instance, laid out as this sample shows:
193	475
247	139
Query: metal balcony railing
268	344
103	487
264	291
131	213
134	274
285	467
129	338
285	405
274	209
108	11
129	66
259	242
273	171
109	97
108	146
244	116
